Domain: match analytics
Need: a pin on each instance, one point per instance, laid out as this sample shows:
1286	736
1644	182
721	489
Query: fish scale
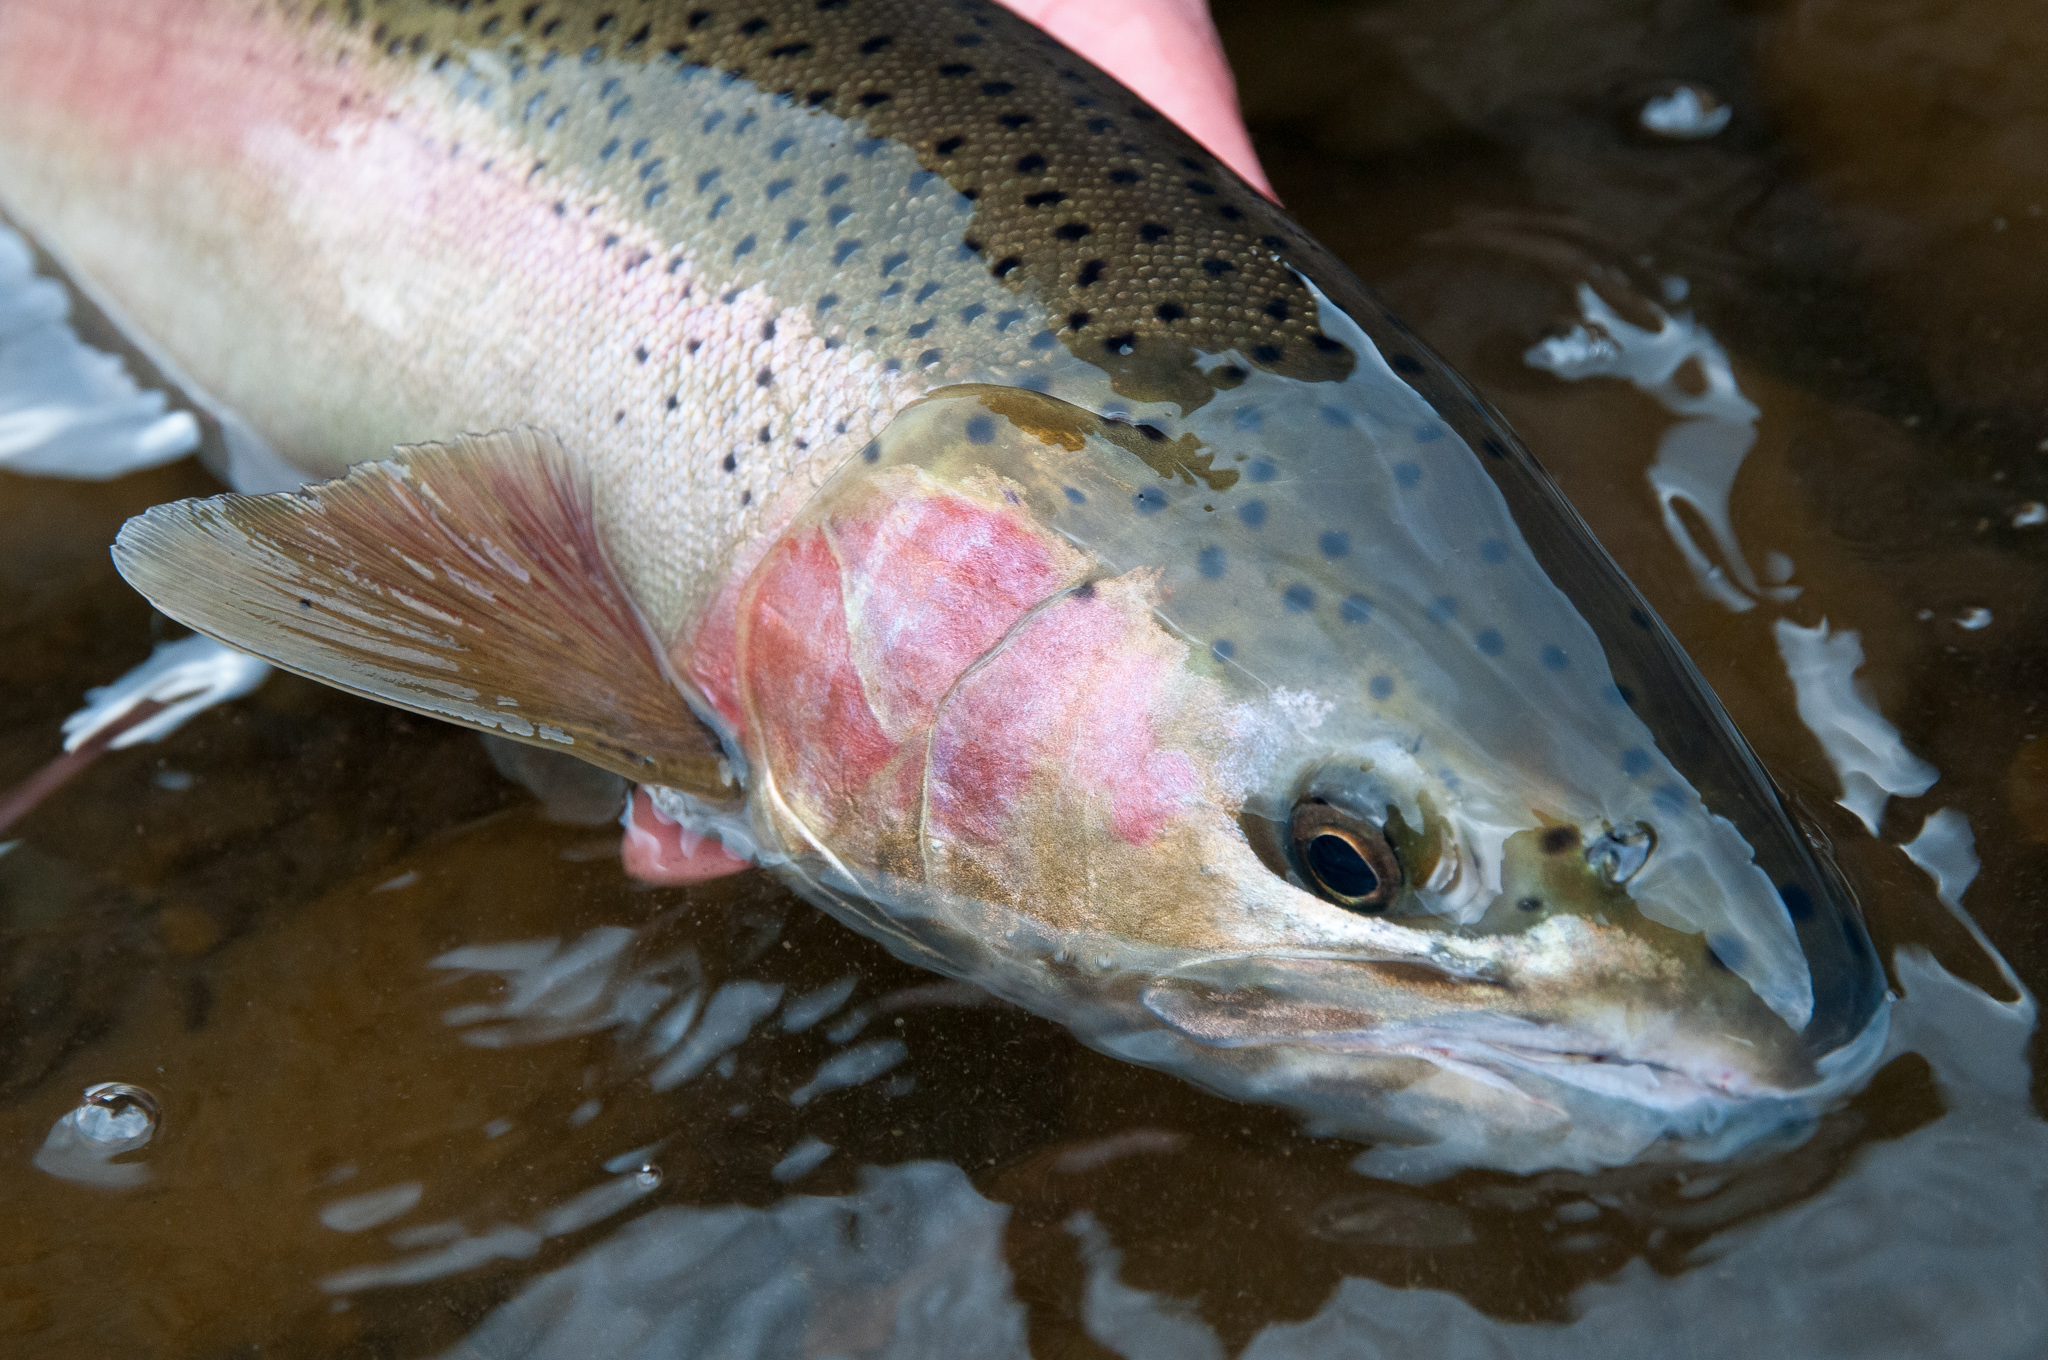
780	256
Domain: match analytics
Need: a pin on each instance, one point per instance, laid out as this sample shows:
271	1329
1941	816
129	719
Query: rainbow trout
925	468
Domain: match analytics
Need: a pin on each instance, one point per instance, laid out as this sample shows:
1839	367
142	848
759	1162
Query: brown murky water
432	1076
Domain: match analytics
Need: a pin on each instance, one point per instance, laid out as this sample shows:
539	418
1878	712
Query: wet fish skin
354	227
366	225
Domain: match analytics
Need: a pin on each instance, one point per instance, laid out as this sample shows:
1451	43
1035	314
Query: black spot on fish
970	312
1076	320
1169	311
874	97
1277	309
1125	342
1073	231
640	353
949	145
1031	164
919	331
1201	186
1559	839
927	291
1639	619
956	69
876	44
838	213
673	401
1124	177
767	434
731	463
1085	591
747	497
1090	273
795	49
1152	231
1100	126
1044	198
997	88
833	184
764	377
844	251
1530	904
1229	213
930	357
1216	268
754	26
1266	354
892	263
1406	364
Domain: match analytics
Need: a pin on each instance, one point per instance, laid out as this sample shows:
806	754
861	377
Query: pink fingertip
657	850
1168	52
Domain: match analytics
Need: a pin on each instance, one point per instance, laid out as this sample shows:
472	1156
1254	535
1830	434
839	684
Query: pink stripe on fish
932	581
1065	706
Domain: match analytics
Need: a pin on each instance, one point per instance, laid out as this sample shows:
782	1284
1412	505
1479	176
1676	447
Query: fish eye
1343	857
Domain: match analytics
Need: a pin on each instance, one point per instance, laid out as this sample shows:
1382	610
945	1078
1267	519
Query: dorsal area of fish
718	246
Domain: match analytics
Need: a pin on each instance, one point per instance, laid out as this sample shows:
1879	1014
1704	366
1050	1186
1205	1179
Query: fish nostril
1620	853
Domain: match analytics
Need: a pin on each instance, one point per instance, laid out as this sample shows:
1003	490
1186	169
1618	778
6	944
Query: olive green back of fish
1118	232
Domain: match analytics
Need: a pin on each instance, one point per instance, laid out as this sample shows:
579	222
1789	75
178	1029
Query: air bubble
112	1118
1974	618
647	1177
1685	113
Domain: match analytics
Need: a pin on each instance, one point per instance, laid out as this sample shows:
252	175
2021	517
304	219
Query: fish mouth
1457	1019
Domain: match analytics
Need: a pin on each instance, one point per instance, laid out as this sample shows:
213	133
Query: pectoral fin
465	581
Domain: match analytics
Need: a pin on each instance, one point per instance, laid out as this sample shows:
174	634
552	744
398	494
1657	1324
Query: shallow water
425	1074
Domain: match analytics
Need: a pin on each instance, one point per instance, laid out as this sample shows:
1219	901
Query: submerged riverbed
408	1067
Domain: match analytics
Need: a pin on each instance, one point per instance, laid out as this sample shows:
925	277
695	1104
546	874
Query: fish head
1277	745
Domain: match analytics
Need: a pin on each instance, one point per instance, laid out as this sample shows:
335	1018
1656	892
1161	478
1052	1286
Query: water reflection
911	1263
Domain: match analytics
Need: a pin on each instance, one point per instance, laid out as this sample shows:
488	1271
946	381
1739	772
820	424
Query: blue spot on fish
1408	474
1635	762
1247	418
1149	500
1253	513
1261	470
1044	340
1554	658
1669	799
981	429
745	247
1380	687
1209	562
844	251
1334	543
1428	434
1075	495
1797	904
1443	609
1223	649
1494	550
1299	599
1491	642
1355	609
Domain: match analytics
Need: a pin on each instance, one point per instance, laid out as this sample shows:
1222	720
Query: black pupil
1337	864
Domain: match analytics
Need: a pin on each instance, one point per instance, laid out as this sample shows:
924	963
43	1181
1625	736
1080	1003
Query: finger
1168	52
